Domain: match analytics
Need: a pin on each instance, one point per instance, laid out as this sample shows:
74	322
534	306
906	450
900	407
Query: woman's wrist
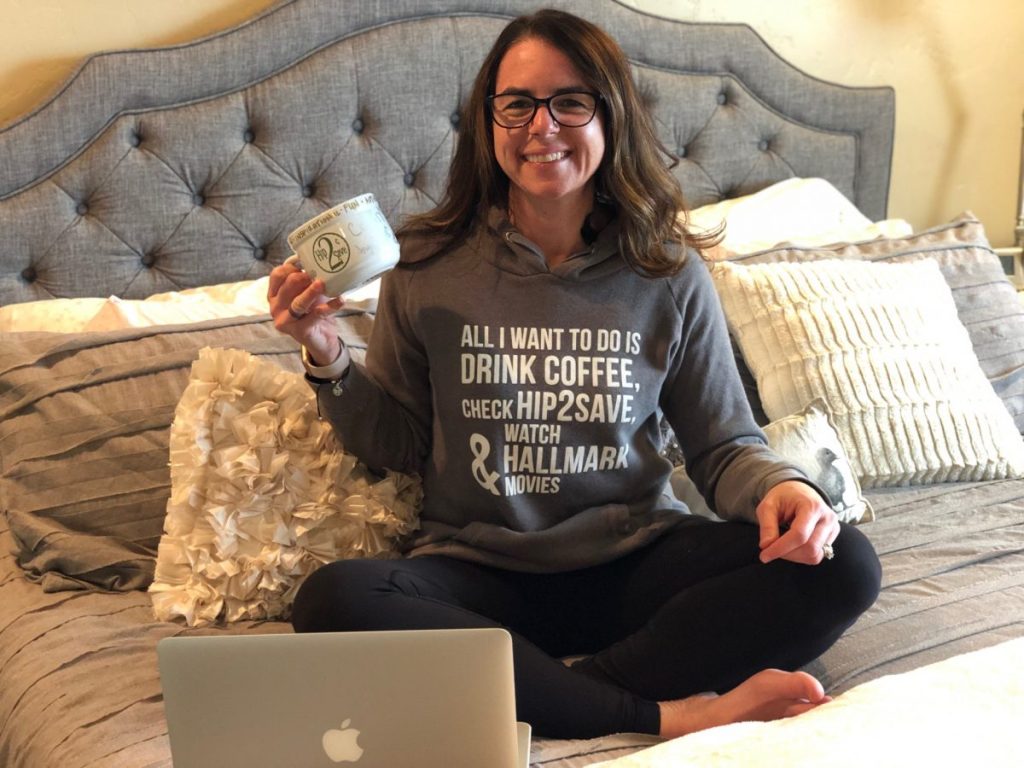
320	357
330	371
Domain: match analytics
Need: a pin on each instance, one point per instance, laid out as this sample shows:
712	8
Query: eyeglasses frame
598	99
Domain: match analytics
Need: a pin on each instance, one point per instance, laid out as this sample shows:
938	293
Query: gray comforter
79	684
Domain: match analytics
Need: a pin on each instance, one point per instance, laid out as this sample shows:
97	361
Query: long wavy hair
634	176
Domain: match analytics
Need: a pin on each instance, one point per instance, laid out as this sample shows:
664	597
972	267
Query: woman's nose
543	121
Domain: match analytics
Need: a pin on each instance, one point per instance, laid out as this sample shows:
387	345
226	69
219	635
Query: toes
774	683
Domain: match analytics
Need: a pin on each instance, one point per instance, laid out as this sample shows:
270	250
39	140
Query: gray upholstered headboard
169	168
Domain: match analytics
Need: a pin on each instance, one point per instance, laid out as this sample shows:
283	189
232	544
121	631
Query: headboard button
148	259
358	126
763	145
198	199
135	140
259	254
28	274
722	98
81	209
307	191
249	137
455	118
681	152
410	179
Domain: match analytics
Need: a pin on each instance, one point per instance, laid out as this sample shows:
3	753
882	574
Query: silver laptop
431	699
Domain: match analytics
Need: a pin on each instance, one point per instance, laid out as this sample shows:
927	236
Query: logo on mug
331	252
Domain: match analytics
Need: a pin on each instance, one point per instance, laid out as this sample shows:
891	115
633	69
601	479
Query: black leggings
694	611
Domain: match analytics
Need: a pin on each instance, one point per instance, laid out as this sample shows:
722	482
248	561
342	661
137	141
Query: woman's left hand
796	524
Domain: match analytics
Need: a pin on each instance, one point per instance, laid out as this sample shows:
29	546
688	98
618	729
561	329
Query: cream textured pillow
988	305
809	440
882	345
262	495
804	211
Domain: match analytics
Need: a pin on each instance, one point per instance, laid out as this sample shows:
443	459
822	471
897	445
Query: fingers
805	540
767	518
312	303
286	282
277	277
330	306
802	531
304	303
825	532
292	295
811	524
298	306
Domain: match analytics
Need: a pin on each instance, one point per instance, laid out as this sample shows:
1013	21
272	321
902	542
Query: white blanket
965	711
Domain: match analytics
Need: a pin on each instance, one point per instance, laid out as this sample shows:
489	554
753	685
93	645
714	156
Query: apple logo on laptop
341	745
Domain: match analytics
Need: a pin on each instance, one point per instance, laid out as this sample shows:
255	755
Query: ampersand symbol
481	450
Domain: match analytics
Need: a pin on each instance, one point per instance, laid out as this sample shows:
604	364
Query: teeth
549	158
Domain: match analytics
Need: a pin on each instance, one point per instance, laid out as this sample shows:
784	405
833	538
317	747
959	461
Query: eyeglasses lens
572	110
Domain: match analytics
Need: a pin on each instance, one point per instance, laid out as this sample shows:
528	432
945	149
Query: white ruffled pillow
262	495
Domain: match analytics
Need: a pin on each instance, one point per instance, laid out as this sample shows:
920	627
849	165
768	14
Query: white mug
346	246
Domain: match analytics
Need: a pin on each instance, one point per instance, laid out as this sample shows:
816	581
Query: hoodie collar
511	251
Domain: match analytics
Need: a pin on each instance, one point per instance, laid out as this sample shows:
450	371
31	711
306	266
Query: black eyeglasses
571	110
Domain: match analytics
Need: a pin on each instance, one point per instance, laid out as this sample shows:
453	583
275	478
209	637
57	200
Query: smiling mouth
550	157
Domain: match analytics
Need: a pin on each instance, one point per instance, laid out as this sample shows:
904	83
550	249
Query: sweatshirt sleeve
726	453
381	411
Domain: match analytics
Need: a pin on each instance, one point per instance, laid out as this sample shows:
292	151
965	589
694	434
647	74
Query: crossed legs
693	613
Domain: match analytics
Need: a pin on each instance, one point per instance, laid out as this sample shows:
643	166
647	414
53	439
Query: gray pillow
84	425
809	440
986	303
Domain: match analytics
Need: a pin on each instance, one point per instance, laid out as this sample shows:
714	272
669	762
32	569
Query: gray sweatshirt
529	400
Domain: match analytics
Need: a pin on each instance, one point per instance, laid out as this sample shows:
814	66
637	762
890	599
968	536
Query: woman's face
543	160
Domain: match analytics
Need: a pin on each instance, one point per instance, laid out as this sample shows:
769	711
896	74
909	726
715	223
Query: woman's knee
339	596
854	573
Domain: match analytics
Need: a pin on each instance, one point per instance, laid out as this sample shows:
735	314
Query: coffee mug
346	246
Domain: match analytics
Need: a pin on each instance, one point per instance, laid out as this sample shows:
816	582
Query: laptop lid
430	698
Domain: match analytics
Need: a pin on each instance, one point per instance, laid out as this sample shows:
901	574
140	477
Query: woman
541	319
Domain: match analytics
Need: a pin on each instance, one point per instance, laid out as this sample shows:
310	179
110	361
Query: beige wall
43	41
958	71
957	67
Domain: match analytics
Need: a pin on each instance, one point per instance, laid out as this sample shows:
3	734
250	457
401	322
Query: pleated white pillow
883	346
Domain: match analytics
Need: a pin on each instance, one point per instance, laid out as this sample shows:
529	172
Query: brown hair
634	176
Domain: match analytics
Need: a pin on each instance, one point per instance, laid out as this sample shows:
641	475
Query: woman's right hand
300	310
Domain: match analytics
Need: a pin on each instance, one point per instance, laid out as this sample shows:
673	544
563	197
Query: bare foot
769	695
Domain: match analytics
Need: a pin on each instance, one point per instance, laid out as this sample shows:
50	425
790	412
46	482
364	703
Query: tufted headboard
156	170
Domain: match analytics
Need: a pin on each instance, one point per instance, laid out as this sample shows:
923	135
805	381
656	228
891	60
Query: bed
145	398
